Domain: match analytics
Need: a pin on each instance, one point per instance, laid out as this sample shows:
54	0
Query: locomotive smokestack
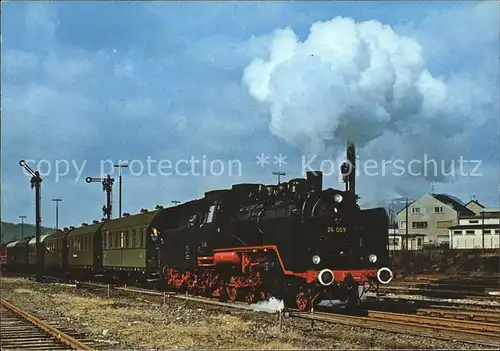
351	158
348	169
315	180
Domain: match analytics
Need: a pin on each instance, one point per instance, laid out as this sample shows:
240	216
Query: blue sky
91	81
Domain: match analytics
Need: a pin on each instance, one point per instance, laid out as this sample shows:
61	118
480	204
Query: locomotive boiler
293	240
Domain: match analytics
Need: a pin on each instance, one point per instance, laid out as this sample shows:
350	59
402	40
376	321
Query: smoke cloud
352	81
362	81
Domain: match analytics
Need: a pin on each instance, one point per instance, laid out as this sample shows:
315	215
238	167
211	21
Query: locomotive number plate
336	230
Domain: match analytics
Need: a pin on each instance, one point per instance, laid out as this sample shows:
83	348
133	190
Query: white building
398	241
431	216
476	232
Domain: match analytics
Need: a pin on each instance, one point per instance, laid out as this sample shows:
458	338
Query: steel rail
392	320
49	329
487	316
446	329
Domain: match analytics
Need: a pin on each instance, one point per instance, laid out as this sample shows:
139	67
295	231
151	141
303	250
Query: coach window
122	239
127	239
104	241
134	238
141	237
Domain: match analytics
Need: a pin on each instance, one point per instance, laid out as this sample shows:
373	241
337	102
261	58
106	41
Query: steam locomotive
295	241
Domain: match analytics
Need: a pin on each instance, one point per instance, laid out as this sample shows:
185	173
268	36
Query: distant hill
12	231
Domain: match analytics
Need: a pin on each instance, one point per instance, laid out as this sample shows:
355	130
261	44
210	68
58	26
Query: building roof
410	235
448	200
404	207
453	202
475	226
476	202
485	214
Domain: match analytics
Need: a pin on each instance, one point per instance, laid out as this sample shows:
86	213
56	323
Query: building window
487	231
457	232
122	239
473	222
403	225
419	241
469	232
419	225
104	241
438	209
496	231
415	210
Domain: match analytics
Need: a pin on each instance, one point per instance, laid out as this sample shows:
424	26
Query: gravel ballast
128	321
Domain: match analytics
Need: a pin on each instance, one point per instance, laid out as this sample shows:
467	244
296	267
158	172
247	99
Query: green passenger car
129	245
84	248
56	251
32	252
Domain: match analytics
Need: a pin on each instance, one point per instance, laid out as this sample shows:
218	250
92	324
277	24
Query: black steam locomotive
294	241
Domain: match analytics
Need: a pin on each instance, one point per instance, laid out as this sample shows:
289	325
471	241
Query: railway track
21	330
441	328
474	332
489	316
431	292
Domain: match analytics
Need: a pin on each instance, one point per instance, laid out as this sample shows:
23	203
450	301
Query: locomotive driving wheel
302	301
250	298
232	293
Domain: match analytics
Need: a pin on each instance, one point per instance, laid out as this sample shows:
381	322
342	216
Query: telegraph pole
482	230
120	166
57	211
407	224
279	174
36	182
22	226
107	186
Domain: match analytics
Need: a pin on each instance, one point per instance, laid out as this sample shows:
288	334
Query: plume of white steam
272	305
352	81
365	83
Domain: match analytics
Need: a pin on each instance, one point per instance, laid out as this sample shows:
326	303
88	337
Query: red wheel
302	301
232	293
250	297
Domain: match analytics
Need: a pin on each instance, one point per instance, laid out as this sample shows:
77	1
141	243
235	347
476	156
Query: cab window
210	214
